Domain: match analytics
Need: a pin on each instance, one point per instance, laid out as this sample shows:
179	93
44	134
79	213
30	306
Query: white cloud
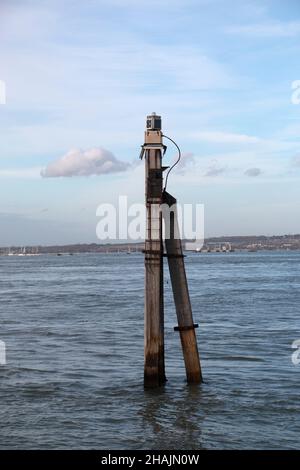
296	161
253	172
33	172
187	159
77	162
215	171
268	29
224	137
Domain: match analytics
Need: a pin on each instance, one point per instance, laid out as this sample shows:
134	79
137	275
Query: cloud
33	172
63	81
187	159
77	162
224	137
296	161
253	172
215	170
270	29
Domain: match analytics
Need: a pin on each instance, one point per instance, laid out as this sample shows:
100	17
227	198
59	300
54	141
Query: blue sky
81	77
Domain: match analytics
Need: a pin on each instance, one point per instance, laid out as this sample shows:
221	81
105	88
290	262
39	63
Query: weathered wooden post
186	326
154	370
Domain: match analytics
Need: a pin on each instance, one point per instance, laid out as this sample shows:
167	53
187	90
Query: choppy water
73	327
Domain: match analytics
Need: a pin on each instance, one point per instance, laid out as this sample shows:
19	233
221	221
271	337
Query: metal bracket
152	146
186	328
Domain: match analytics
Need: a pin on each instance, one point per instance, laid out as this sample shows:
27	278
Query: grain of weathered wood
154	369
181	294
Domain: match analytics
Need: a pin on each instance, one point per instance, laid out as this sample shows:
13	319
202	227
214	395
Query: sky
80	78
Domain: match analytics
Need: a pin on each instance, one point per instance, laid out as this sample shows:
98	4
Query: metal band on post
186	328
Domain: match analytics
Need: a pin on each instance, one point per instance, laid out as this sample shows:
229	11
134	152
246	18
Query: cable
177	161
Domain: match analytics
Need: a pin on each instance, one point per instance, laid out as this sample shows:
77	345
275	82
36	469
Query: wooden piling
182	301
154	368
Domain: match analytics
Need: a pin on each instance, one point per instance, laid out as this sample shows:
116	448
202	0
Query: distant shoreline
214	244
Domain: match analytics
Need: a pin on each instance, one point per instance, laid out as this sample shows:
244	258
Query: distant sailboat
23	252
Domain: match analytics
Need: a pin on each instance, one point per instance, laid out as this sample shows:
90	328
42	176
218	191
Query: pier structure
156	197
